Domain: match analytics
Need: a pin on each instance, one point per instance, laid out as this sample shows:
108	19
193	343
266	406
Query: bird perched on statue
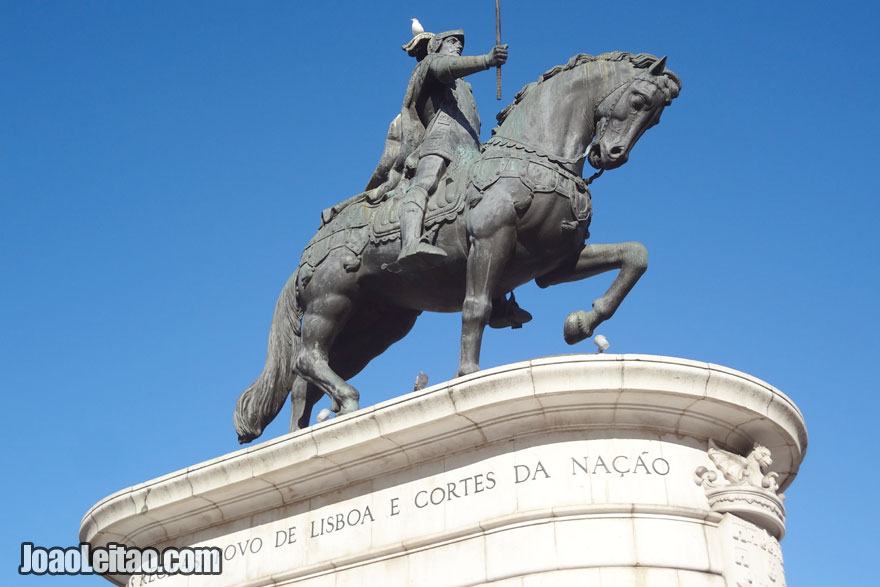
601	343
417	27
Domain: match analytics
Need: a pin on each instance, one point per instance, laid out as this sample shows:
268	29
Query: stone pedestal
558	471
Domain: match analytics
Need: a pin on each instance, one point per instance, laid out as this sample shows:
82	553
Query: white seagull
417	27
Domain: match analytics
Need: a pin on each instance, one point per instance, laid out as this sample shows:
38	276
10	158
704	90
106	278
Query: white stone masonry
564	470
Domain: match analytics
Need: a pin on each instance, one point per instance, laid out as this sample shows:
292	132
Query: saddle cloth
444	205
363	221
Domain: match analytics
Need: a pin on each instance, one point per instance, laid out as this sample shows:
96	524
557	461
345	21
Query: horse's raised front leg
630	258
492	238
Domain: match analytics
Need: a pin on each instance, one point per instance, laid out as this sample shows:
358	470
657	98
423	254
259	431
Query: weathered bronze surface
481	220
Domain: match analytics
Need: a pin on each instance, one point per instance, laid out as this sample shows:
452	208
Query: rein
617	93
565	163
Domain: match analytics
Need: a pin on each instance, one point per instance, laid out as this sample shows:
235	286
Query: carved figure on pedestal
751	491
737	470
514	211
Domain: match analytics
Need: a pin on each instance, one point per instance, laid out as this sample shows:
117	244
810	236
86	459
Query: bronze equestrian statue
518	209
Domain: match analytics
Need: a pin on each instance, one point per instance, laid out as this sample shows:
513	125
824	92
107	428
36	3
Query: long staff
498	42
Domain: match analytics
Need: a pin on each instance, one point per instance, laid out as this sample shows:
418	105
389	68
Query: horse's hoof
467	370
348	407
575	329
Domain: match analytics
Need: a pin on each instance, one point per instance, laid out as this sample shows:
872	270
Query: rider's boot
415	251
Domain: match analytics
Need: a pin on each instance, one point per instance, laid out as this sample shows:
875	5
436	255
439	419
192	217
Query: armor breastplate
453	123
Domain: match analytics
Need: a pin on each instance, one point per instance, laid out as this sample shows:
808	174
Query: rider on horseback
442	104
438	122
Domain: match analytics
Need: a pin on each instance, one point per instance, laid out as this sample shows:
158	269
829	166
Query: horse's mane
640	61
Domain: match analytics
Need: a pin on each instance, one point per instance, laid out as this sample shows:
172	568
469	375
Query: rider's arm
447	68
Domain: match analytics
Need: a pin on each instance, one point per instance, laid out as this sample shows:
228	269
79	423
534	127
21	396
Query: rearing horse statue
519	211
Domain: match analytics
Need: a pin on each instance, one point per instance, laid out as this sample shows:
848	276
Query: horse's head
630	109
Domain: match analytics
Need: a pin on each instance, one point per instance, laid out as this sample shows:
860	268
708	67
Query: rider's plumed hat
418	44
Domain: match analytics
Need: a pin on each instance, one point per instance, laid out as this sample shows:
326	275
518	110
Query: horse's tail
260	403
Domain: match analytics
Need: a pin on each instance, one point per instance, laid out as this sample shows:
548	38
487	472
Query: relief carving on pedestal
739	470
751	491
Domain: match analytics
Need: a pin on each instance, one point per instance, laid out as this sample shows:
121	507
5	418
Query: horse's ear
658	67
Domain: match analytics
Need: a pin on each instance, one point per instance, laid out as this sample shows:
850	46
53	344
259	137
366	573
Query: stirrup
509	315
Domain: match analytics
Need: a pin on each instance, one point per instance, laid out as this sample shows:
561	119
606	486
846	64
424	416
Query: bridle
616	94
569	164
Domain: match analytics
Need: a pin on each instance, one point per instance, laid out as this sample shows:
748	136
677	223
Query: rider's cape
406	131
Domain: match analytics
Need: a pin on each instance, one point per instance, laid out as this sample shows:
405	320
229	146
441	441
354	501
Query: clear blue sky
162	165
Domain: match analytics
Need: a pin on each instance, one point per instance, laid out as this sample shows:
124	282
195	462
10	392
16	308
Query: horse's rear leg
322	322
630	258
303	398
492	236
364	337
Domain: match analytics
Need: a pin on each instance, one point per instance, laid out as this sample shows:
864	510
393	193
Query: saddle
444	205
353	224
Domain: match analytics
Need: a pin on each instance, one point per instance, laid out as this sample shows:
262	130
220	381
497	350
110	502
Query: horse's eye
638	102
